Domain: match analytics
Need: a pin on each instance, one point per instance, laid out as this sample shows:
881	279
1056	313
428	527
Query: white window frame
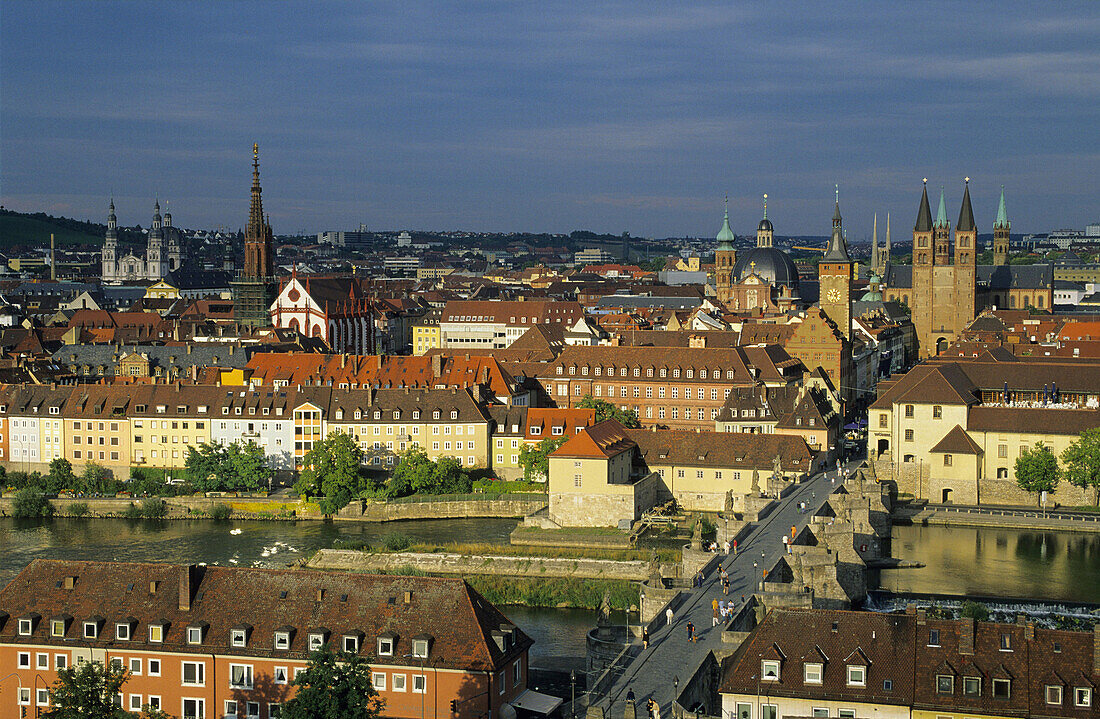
420	684
276	679
1082	696
90	630
812	668
316	641
1052	691
135	666
122	632
856	675
420	648
231	707
200	674
282	641
158	631
194	635
133	707
238	637
42	660
154	672
378	681
354	644
60	661
765	666
399	682
23	661
248	682
387	642
200	706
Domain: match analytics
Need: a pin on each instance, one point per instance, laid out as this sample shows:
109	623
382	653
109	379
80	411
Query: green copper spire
1002	214
725	235
941	214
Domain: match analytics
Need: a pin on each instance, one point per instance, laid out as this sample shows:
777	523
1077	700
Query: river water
985	562
988	562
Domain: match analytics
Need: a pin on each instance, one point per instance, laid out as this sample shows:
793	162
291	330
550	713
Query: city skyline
487	117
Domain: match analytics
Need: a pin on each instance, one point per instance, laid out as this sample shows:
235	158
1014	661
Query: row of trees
1038	470
333	686
237	467
335	473
94	479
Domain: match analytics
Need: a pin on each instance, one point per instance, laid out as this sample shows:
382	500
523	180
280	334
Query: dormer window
156	633
122	632
454	414
91	629
339	413
416	414
536	430
317	639
420	648
397	414
385	646
282	639
195	632
811	672
377	414
238	637
557	430
26	627
857	675
351	643
435	414
769	670
945	684
358	414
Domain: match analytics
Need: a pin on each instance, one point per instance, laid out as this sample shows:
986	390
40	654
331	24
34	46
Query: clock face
833	295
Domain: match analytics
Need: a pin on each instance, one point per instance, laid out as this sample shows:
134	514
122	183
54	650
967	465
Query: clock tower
835	277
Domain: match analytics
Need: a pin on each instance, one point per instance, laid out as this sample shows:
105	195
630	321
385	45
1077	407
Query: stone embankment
510	506
462	564
1003	517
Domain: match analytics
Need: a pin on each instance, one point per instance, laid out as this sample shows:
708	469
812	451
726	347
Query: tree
334	686
1037	470
202	464
96	479
416	473
61	475
606	410
333	472
88	691
535	459
1081	462
213	467
30	502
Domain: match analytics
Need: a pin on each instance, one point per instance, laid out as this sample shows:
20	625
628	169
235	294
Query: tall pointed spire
256	209
887	235
924	214
941	213
765	205
966	213
838	248
725	235
112	222
874	243
1002	214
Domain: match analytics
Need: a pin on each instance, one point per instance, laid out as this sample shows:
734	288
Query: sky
499	115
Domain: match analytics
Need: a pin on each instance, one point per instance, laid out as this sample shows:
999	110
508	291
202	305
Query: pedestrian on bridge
726	547
714	616
645	638
691	631
668	616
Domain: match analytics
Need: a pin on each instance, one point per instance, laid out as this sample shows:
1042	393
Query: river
988	562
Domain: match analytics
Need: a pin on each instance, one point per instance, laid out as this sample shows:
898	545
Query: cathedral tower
941	235
254	289
1001	226
835	277
965	274
920	307
109	266
172	236
725	256
154	253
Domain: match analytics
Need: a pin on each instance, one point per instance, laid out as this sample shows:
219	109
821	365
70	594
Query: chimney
966	636
190	576
343	360
1029	631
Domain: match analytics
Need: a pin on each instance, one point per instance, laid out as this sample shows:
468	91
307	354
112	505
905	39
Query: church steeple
941	214
838	248
112	223
874	243
1001	227
259	254
764	236
941	234
725	235
924	214
966	213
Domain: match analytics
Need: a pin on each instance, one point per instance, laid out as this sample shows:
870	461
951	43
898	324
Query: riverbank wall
462	564
1005	518
285	509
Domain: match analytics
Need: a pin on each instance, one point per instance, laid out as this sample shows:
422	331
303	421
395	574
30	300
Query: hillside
33	230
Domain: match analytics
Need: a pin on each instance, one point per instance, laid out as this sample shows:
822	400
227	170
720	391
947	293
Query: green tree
1037	470
61	475
96	479
333	472
448	477
975	610
1081	462
88	691
31	502
202	465
606	410
246	467
535	459
334	686
416	473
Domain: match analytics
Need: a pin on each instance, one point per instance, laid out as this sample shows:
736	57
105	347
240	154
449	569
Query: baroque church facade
162	252
763	279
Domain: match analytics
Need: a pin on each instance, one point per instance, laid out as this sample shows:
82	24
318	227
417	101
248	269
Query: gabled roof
604	440
957	441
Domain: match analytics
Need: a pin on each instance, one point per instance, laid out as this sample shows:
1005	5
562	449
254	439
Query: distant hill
21	230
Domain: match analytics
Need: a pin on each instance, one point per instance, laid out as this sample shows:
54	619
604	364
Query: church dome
765	224
769	264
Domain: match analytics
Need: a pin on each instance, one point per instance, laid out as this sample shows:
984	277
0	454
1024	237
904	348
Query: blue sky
548	116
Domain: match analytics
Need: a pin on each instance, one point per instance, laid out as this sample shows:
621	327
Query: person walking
645	638
668	616
691	631
726	547
714	615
